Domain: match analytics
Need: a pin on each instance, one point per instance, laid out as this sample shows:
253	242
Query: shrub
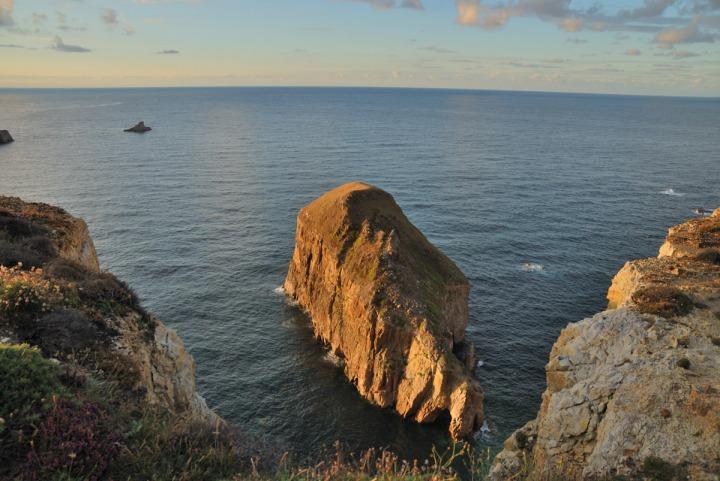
657	469
28	383
665	301
66	269
683	363
72	442
13	254
65	331
28	291
15	227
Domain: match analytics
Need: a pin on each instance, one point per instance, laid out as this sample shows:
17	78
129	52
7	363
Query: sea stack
5	137
389	304
634	391
139	128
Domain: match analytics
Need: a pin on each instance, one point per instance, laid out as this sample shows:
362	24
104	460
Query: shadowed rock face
389	303
638	382
5	137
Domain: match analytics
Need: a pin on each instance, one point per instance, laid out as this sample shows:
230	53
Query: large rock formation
635	390
5	137
389	303
96	310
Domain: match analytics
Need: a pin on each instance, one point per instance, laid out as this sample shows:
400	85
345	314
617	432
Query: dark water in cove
198	216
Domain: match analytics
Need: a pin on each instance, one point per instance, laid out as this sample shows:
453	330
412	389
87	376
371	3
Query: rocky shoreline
635	390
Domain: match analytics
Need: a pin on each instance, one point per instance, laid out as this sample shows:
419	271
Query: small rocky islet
632	393
5	137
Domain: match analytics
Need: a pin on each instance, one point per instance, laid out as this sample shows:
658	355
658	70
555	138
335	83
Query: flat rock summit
389	304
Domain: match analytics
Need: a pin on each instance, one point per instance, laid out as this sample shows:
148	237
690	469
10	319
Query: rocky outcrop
5	137
59	246
635	390
139	128
389	304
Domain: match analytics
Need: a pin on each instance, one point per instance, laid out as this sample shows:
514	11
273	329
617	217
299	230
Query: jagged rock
389	303
139	128
639	381
165	371
5	137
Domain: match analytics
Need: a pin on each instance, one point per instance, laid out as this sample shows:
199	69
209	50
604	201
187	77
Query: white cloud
60	46
633	52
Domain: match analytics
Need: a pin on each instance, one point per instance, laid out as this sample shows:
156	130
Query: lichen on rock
388	302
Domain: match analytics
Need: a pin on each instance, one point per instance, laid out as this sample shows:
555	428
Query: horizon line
367	87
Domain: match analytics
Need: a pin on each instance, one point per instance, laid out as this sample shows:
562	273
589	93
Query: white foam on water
279	290
532	267
333	359
480	364
672	193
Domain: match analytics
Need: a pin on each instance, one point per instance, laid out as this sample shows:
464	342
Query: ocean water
539	198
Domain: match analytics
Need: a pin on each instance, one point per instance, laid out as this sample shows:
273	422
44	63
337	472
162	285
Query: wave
532	267
279	290
333	359
672	193
479	364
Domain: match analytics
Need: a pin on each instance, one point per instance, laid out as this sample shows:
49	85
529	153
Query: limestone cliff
46	251
389	303
635	390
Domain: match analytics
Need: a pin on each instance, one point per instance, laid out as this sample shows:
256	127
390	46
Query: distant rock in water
388	303
139	128
634	392
5	137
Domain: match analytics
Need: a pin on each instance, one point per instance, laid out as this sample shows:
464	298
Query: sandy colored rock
639	381
696	238
389	303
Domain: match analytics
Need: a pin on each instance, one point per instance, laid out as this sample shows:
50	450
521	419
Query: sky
650	47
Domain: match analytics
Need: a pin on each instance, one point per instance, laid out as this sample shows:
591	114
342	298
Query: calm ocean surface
198	216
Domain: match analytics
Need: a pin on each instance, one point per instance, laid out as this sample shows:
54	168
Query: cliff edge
389	304
635	391
54	296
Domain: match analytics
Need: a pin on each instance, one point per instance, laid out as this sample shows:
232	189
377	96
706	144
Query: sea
539	198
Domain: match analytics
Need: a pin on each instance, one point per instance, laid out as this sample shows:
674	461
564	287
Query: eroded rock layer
389	303
635	390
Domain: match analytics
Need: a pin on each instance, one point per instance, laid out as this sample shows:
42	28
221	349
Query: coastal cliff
389	304
59	250
635	391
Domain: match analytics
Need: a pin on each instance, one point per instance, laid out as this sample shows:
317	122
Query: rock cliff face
388	303
635	390
104	313
5	137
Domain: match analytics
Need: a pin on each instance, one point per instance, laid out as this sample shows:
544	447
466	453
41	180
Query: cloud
128	29
13	45
436	49
60	46
388	4
38	17
649	9
474	12
576	41
110	17
168	52
571	24
691	33
633	52
679	54
6	11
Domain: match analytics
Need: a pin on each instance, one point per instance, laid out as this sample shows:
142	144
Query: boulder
5	137
389	303
139	128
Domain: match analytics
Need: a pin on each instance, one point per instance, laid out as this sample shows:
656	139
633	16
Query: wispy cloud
691	33
633	52
6	11
388	4
168	52
110	17
61	46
